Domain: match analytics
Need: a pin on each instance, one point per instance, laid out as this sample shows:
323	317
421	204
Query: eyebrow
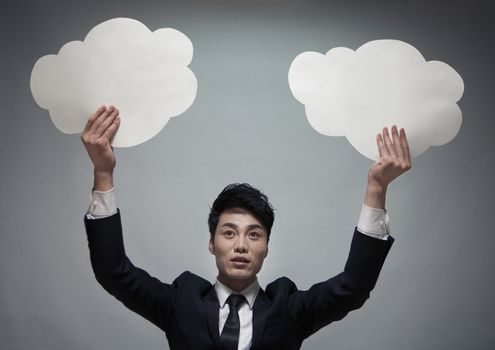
252	226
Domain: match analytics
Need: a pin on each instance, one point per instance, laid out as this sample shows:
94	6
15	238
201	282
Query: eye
254	234
229	234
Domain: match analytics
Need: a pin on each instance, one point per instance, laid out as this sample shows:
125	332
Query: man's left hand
394	161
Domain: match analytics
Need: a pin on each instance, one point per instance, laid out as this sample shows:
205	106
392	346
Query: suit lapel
260	312
212	306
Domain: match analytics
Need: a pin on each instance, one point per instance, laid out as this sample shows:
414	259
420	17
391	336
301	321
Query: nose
241	245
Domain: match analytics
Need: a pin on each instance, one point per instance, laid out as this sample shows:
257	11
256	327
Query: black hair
242	196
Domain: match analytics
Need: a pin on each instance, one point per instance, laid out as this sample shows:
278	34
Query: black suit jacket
187	310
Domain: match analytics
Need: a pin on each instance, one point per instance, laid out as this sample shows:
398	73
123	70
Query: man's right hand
97	137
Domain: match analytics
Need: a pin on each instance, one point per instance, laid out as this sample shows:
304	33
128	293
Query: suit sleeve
333	299
134	287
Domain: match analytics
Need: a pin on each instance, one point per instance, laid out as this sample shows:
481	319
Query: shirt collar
250	293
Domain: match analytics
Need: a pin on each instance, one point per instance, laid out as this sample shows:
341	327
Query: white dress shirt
245	311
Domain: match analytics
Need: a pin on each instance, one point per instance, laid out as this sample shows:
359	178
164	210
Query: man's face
240	245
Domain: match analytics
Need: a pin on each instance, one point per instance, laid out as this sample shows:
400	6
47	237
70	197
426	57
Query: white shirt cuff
102	205
374	222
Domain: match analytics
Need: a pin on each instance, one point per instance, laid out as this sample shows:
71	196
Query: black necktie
229	339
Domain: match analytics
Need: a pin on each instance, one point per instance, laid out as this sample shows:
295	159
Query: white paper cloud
120	62
384	82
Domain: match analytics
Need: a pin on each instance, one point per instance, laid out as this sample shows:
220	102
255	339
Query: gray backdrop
436	290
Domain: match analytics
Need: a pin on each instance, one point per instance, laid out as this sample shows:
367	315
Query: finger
397	144
93	117
100	119
106	123
388	143
382	150
405	145
112	129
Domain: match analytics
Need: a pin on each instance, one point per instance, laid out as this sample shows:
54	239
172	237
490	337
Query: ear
211	246
266	252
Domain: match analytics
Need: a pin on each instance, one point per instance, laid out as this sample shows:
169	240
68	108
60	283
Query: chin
240	275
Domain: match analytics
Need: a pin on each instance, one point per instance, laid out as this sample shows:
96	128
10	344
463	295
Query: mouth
239	261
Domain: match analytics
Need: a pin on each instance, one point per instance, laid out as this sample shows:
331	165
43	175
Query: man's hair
242	196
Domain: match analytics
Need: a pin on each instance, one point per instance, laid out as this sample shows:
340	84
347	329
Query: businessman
235	312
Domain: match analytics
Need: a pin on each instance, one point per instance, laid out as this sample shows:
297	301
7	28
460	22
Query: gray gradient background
436	290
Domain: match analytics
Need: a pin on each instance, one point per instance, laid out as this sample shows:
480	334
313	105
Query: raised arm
333	299
97	137
134	287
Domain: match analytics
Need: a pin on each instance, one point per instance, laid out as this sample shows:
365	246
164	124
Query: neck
236	285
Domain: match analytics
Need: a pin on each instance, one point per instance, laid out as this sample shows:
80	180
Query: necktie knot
235	300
